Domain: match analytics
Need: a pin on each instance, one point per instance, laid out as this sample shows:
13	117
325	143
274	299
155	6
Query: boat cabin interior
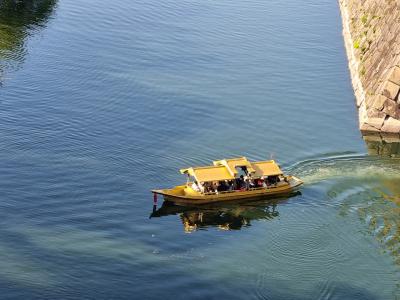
235	174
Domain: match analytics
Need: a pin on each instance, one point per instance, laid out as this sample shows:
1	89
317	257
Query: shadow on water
383	144
18	20
232	216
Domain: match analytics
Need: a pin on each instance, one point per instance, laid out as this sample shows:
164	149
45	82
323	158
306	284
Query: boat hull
178	197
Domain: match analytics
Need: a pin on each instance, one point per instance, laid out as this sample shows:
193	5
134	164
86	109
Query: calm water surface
102	101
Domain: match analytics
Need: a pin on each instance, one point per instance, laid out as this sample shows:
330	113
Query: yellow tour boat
231	179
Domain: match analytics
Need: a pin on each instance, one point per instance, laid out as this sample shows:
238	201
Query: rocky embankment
371	30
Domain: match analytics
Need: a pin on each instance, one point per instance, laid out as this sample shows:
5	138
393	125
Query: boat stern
294	181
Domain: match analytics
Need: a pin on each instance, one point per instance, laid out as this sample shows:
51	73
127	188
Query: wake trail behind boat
346	166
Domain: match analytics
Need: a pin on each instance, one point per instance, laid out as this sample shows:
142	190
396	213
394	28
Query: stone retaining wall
371	30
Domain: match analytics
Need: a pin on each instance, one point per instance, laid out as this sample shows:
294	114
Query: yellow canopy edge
209	173
266	168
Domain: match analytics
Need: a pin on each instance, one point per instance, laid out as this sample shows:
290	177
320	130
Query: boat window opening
241	171
209	188
273	180
242	183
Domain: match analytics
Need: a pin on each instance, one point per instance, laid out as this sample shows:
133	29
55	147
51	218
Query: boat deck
185	195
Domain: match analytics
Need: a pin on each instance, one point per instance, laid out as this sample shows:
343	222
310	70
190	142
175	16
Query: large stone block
391	108
369	100
391	125
365	127
378	102
390	90
374	113
376	122
395	76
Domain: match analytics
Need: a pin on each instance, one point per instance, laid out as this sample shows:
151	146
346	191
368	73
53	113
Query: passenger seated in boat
264	182
207	187
236	184
249	182
241	183
246	182
221	186
259	183
271	180
230	184
201	187
255	183
274	180
210	188
214	187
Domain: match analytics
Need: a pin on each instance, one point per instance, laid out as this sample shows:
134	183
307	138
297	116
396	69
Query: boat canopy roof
266	168
233	163
210	173
226	169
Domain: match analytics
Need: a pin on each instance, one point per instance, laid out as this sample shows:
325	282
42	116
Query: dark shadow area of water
383	144
18	20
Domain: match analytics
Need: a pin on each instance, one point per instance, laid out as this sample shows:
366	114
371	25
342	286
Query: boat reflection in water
383	144
232	216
